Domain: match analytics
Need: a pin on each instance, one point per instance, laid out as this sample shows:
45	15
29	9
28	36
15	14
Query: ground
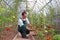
13	35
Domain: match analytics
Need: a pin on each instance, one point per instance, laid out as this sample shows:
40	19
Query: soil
7	35
30	37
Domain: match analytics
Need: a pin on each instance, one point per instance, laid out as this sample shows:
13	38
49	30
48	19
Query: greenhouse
43	15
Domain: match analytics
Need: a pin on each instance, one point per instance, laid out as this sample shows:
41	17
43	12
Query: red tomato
8	29
48	27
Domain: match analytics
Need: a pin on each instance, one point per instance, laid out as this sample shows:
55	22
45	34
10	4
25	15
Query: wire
6	3
34	5
45	5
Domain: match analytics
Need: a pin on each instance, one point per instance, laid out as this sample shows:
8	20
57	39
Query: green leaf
2	10
56	37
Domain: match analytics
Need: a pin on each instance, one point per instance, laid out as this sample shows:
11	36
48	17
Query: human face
24	16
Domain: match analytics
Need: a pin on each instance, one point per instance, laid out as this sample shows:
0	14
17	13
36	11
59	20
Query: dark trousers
23	31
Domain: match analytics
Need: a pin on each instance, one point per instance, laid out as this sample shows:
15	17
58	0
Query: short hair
24	13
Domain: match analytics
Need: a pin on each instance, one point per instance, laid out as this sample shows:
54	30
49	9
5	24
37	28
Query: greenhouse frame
44	15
